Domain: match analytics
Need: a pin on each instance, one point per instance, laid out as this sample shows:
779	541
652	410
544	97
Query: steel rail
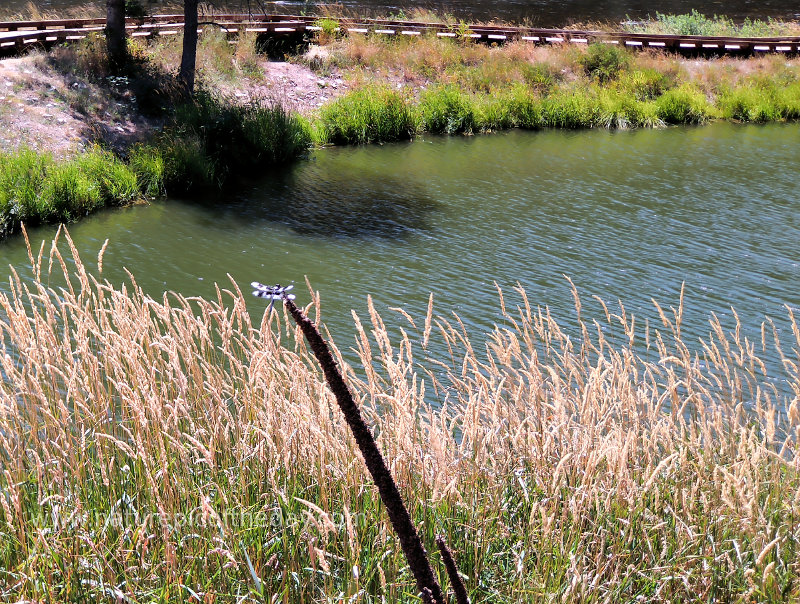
16	36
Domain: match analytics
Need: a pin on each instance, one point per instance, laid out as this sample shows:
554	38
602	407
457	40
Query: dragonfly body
271	293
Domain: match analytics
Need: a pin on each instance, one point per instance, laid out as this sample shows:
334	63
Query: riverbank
343	90
57	102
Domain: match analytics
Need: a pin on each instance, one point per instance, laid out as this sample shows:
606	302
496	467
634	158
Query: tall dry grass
181	449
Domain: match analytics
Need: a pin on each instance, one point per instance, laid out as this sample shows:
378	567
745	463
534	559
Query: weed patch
447	110
684	105
604	62
366	115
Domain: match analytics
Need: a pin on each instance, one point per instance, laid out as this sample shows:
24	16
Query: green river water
628	215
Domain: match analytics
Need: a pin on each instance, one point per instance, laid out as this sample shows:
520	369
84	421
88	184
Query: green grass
447	110
761	101
210	141
632	98
35	188
147	163
699	24
21	176
366	115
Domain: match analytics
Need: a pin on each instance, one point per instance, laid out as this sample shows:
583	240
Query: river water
627	215
541	13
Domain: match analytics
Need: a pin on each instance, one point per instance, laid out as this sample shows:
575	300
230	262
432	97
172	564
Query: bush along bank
449	87
36	188
612	93
208	142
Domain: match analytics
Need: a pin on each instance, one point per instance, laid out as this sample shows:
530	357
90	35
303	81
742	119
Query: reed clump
210	140
367	115
36	188
182	448
454	87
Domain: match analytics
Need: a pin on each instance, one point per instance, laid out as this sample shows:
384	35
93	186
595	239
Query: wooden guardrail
16	36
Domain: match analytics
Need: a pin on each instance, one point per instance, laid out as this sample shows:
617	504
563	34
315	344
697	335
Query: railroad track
17	36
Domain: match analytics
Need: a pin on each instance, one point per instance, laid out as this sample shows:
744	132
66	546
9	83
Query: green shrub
366	115
573	108
683	105
447	110
604	62
696	24
147	162
21	177
328	30
116	181
761	29
68	192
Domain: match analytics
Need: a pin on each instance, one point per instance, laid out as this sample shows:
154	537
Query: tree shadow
118	109
328	203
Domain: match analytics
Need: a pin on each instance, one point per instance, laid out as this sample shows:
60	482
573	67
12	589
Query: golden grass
181	449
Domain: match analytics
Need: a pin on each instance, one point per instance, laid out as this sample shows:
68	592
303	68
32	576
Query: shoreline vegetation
393	89
182	450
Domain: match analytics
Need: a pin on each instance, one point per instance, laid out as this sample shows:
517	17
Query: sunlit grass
35	187
696	23
369	114
174	448
459	87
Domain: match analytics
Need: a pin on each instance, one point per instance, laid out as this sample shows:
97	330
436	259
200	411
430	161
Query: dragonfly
271	292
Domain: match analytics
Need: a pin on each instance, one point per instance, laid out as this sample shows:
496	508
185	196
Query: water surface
626	215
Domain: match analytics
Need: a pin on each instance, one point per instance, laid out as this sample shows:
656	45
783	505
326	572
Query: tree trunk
115	33
189	56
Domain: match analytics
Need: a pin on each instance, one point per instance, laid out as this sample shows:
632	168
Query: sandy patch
34	111
295	86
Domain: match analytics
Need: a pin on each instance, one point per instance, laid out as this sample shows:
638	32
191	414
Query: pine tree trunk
189	56
115	33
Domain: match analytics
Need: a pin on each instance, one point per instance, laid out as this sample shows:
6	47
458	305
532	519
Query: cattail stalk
452	571
390	495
